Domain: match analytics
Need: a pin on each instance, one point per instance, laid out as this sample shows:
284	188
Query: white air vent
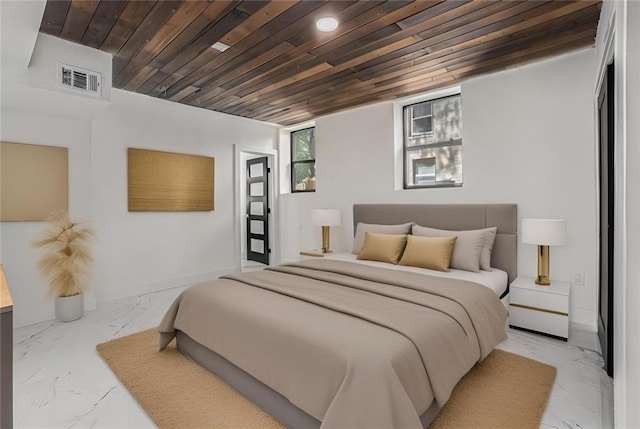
220	46
79	79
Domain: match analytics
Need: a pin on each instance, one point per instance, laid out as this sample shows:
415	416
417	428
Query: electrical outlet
578	279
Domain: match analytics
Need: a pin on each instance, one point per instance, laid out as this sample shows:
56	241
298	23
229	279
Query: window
433	143
421	119
303	160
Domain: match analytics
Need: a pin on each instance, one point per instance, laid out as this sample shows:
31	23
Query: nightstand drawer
539	299
539	321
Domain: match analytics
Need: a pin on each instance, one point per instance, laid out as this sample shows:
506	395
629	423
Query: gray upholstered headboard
454	217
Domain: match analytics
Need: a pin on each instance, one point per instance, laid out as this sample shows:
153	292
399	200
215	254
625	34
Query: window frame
413	118
406	149
305	161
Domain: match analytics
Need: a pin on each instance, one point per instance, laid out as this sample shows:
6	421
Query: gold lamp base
325	240
543	266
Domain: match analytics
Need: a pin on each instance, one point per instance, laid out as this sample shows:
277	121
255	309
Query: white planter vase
69	308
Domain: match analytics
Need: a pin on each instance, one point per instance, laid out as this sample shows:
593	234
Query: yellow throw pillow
382	247
429	252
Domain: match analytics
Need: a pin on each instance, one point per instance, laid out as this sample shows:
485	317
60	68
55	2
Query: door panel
256	227
258	210
256	169
257	189
606	152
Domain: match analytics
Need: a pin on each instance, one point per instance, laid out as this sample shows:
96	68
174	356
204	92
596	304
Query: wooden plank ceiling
280	69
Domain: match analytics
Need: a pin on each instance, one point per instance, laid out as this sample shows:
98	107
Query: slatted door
258	210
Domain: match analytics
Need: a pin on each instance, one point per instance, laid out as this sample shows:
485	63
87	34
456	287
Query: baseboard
145	288
583	317
583	326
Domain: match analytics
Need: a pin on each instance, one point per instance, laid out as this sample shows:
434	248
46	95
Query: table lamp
544	233
325	218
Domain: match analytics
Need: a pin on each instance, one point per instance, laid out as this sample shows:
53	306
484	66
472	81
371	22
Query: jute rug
504	391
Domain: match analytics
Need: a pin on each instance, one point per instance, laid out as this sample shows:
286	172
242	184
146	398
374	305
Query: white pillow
487	249
362	228
467	249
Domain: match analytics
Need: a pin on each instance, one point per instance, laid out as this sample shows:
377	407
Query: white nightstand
311	254
542	309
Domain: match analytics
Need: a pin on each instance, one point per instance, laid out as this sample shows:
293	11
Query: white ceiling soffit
20	21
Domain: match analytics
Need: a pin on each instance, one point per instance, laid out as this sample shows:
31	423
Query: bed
332	343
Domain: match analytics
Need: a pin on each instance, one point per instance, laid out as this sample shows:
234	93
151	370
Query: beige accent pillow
363	228
467	249
487	249
428	252
383	247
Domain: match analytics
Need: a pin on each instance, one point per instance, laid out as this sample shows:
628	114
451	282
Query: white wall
134	253
19	24
142	252
28	288
528	139
34	111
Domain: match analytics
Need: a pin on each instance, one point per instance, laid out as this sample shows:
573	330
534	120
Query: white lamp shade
544	232
325	217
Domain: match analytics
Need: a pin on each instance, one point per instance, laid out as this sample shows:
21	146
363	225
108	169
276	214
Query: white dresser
542	309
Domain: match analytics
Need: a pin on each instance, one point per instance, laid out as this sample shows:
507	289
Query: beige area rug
504	391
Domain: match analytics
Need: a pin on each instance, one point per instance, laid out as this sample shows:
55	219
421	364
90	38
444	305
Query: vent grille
79	79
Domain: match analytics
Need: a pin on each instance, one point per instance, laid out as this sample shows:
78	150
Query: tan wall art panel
34	181
165	181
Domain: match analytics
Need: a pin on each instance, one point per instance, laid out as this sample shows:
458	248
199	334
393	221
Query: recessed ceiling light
220	46
326	24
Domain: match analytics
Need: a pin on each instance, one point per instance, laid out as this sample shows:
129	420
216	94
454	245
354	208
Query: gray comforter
352	345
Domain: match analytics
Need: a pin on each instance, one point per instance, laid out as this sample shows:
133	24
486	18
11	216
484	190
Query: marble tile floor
61	382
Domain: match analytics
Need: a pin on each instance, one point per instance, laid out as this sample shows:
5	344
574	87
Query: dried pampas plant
66	256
